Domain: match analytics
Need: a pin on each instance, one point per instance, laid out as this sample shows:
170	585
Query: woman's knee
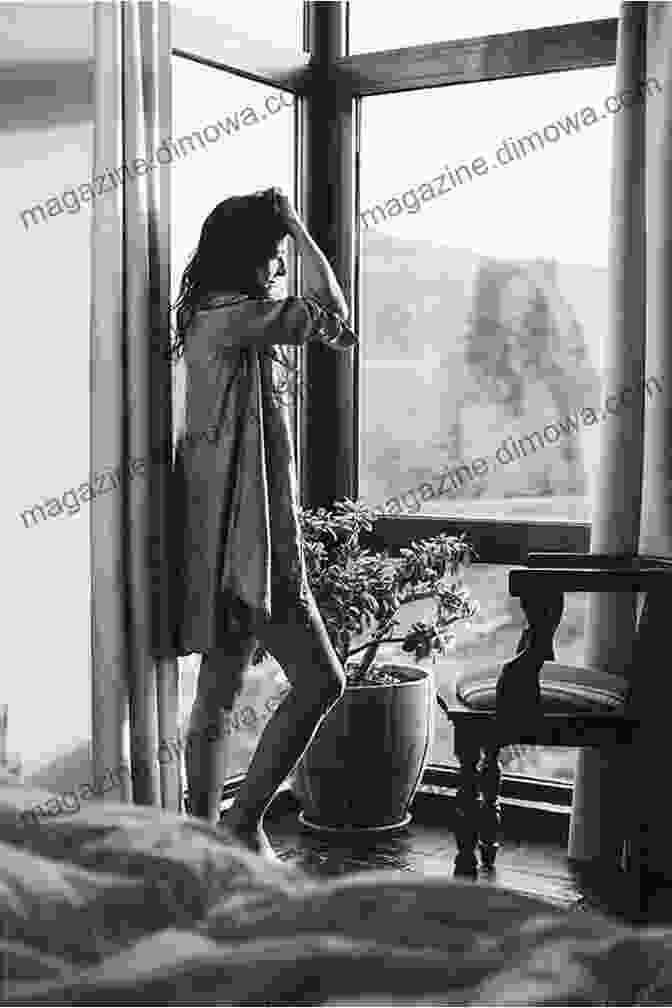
302	647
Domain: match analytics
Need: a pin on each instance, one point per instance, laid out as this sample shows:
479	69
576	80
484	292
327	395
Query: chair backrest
558	573
650	672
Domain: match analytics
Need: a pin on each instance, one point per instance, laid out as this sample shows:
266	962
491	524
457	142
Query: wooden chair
537	701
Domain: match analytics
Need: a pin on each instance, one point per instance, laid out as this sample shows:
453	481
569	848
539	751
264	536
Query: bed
120	904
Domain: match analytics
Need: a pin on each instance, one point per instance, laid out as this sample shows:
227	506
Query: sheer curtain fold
632	509
135	685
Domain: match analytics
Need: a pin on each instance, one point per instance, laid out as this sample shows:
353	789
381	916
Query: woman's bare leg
208	748
303	649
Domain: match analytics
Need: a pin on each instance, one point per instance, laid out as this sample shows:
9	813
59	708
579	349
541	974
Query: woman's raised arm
264	322
319	279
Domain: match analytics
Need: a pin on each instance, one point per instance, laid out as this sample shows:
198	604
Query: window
482	300
252	149
373	28
484	217
484	213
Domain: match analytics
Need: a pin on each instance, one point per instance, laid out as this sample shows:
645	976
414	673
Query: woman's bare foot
252	837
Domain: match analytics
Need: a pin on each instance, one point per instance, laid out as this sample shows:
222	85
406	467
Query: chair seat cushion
564	689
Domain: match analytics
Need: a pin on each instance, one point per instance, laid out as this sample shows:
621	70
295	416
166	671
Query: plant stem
376	645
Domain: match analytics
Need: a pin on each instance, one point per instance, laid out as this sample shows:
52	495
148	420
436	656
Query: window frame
531	52
349	79
337	85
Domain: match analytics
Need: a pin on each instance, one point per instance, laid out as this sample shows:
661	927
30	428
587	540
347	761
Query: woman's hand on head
287	212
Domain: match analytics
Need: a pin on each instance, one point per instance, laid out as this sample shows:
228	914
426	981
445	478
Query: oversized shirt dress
240	554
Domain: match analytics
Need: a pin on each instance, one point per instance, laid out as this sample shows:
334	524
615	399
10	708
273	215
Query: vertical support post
328	469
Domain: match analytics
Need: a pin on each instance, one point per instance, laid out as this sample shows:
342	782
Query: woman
242	578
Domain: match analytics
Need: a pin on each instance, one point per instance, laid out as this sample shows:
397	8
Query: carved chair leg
467	806
490	817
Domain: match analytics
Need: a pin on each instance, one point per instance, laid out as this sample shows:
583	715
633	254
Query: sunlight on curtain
46	148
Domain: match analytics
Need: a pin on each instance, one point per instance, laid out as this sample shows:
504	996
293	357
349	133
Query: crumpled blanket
120	904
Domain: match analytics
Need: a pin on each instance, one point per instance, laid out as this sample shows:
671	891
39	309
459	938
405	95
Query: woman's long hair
238	237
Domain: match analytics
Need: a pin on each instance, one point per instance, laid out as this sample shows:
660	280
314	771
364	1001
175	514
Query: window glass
397	25
279	23
252	149
233	136
484	221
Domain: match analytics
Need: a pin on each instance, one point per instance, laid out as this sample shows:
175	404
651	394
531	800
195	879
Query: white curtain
633	502
135	679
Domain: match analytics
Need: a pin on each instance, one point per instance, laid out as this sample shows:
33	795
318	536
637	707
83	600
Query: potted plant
366	761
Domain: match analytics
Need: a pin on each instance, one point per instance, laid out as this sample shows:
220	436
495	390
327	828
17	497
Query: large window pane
257	152
233	136
484	295
424	21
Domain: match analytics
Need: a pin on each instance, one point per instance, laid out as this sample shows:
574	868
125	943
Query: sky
555	203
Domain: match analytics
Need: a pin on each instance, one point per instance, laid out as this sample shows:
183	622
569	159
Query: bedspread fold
133	905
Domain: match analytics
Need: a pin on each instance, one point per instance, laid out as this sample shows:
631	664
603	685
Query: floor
539	869
527	869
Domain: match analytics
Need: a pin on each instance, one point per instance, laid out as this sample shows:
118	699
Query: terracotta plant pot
364	766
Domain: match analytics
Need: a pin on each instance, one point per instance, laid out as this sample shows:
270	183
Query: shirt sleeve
292	321
329	327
